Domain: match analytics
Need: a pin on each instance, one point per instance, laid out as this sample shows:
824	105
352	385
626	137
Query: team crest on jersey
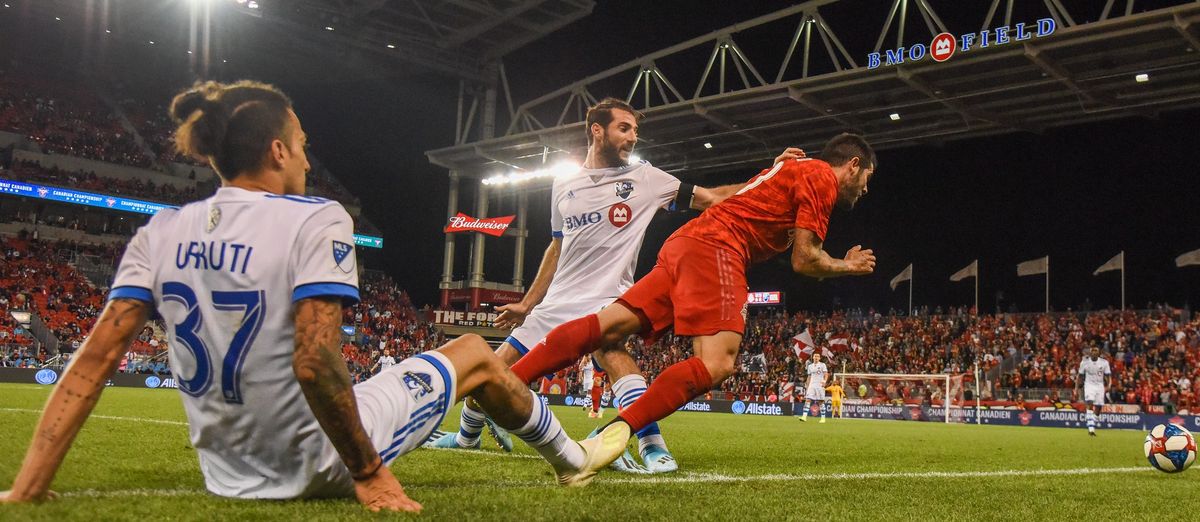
214	218
418	384
341	252
624	188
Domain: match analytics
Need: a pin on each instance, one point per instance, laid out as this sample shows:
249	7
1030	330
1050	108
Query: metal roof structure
747	110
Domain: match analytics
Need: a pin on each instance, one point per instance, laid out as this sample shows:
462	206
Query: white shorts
399	408
815	392
1094	394
547	316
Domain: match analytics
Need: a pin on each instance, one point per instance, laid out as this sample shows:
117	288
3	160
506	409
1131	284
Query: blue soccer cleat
449	441
659	460
500	435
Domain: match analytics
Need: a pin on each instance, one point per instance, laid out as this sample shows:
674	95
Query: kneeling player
251	282
1096	373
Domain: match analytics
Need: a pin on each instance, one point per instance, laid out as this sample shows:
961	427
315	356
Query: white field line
683	478
106	417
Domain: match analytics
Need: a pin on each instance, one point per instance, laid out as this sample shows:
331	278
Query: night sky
1079	194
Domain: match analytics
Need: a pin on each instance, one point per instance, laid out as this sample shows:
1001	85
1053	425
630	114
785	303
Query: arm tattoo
326	382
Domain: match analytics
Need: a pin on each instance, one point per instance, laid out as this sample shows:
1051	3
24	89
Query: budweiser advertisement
490	226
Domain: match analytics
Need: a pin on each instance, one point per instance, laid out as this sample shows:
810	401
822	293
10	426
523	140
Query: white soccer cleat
599	452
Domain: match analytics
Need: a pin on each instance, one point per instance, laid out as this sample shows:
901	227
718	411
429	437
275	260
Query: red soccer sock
596	393
562	347
674	387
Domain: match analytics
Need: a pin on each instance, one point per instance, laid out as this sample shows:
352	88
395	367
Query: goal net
921	397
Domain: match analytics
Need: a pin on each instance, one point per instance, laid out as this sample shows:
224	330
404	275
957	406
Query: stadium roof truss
744	109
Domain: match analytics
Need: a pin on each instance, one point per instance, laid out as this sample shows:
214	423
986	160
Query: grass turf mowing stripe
674	479
107	417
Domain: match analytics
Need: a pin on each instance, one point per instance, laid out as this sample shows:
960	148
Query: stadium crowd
33	172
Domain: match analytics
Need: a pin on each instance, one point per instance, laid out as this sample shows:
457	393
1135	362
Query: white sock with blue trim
470	425
1091	420
628	389
546	436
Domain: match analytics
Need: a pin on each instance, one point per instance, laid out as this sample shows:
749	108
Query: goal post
944	391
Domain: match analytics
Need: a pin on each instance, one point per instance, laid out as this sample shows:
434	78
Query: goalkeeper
836	394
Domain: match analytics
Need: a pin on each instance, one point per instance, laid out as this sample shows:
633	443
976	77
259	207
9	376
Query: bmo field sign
945	45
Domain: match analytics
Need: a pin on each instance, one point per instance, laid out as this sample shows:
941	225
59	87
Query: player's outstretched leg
651	445
473	420
513	406
714	362
576	338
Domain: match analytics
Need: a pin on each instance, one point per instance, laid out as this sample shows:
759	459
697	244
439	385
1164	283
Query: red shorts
697	287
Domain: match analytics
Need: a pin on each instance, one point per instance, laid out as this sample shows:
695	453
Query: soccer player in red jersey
597	394
699	283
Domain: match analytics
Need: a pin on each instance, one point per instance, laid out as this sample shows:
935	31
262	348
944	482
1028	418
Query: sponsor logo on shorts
46	376
620	215
419	384
153	381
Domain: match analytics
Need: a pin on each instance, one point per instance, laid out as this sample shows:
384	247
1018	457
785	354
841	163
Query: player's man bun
229	125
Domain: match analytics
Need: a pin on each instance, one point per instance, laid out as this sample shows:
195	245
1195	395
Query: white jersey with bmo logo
224	273
601	216
1093	373
815	390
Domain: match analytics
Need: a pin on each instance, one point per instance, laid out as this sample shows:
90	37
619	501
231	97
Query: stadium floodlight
57	19
895	116
1142	78
6	6
252	5
329	28
391	46
707	145
151	42
108	31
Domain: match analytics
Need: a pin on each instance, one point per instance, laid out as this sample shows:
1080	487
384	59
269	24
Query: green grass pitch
133	462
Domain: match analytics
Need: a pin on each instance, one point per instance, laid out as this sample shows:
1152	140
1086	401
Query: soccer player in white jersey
384	362
1096	375
814	390
598	219
251	283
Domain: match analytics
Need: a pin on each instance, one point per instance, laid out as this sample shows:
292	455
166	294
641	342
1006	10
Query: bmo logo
620	215
943	47
583	220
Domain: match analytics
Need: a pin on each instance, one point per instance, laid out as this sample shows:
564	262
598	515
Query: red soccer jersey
758	221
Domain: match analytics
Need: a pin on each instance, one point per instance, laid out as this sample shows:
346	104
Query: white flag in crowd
1116	263
905	275
971	270
1034	266
1190	258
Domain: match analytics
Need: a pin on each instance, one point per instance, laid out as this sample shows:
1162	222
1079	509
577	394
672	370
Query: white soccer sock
807	405
822	407
546	436
628	389
1091	420
470	425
